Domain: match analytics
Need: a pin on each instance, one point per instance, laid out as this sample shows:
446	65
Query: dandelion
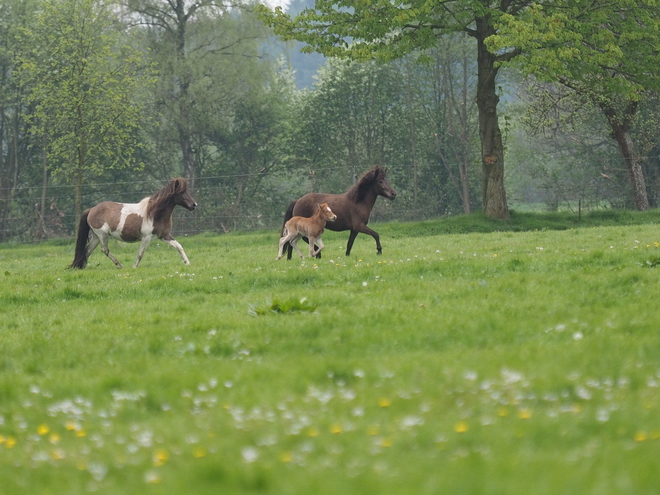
386	442
54	438
313	432
43	429
286	457
461	427
640	436
384	402
160	457
10	443
525	413
81	433
336	428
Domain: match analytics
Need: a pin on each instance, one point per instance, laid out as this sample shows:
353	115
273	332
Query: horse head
376	179
326	213
180	194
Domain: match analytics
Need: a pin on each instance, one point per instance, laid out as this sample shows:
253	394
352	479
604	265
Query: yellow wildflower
286	456
160	457
313	432
461	427
43	429
640	436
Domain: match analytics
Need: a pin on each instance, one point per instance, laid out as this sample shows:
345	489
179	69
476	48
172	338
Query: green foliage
378	28
85	83
454	363
611	47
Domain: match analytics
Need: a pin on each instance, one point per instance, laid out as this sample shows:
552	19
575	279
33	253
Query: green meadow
473	356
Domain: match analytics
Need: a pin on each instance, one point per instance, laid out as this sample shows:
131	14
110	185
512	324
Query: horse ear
180	184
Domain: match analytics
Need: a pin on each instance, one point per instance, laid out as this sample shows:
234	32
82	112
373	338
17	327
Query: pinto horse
312	228
132	222
352	208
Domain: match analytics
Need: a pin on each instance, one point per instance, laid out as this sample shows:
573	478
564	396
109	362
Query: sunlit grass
502	362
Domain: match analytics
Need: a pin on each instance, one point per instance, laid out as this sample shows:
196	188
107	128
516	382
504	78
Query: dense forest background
107	100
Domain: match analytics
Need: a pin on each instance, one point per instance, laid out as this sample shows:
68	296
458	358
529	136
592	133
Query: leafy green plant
283	307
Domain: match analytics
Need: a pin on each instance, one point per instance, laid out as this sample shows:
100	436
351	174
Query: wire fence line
25	221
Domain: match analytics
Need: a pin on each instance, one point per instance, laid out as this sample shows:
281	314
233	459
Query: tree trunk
621	132
463	168
40	232
492	147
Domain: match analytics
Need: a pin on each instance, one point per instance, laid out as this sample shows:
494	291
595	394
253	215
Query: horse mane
359	190
160	201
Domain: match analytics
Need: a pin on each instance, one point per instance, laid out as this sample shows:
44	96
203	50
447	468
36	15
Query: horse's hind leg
176	246
280	250
93	242
104	247
294	244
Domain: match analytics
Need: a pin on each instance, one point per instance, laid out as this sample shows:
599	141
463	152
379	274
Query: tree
604	51
387	30
15	137
199	48
84	86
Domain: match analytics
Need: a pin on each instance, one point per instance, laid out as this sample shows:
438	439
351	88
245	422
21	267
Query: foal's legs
283	240
103	239
318	241
292	239
294	244
170	240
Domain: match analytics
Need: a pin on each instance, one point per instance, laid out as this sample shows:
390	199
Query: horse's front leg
172	242
364	230
318	251
144	243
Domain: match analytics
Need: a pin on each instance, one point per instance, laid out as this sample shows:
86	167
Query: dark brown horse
132	222
352	208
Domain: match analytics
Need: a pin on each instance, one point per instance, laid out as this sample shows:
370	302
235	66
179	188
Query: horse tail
80	258
288	215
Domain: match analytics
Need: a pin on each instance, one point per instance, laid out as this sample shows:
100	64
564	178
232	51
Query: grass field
473	356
